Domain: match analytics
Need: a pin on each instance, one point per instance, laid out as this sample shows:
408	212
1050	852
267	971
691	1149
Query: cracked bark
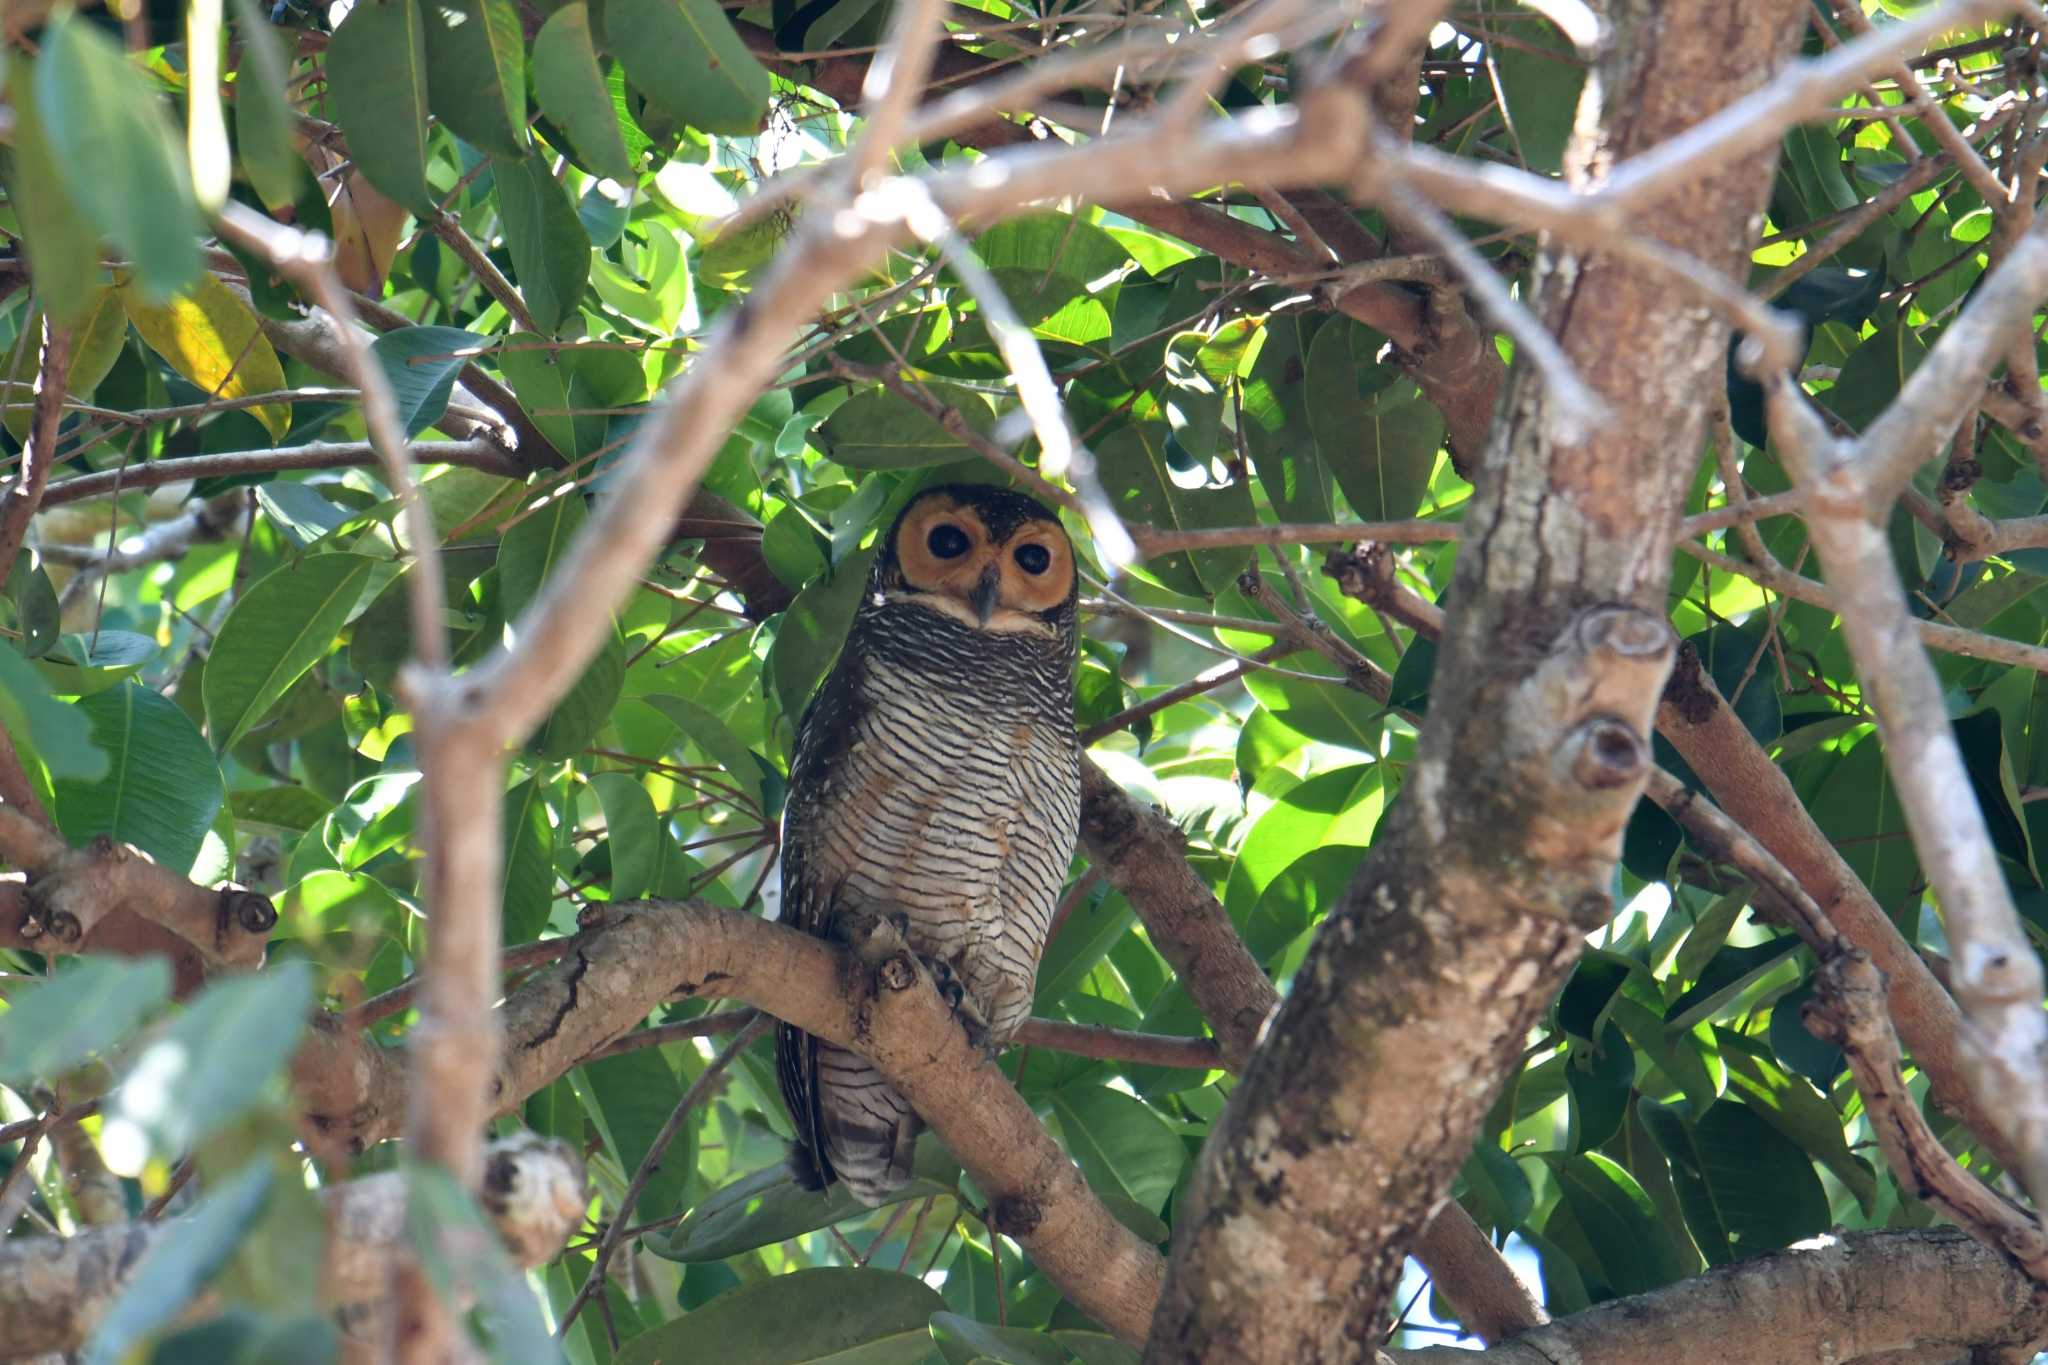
1351	1122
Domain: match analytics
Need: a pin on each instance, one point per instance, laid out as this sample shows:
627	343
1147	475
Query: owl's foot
958	1000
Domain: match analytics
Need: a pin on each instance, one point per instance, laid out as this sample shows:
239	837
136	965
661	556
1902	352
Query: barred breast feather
936	777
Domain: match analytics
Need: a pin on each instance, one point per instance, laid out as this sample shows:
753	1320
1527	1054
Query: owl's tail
851	1126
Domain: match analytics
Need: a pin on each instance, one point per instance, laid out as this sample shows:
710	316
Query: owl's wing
824	734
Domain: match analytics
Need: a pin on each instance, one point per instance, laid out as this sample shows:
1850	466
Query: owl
936	783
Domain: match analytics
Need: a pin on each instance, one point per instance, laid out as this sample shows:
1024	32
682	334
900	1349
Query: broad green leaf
1136	469
1858	809
630	1098
813	630
281	627
761	1209
565	389
1295	900
33	616
716	739
1632	1251
550	250
529	890
1730	972
80	665
962	1341
1096	1348
476	72
1871	376
185	1254
1392	450
631	830
263	118
91	1004
1745	1187
1793	1107
1340	807
162	788
63	247
587	706
377	92
1540	77
1273	403
61	735
831	1313
686	57
213	1064
212	338
571	90
1121	1144
875	429
530	550
112	142
421	363
1599	1079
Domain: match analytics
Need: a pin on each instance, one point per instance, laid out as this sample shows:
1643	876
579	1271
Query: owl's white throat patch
1002	621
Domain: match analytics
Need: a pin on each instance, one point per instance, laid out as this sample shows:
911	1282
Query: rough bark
1414	1002
1862	1297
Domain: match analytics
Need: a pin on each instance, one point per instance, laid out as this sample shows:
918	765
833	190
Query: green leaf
113	146
61	735
1744	1186
812	633
63	247
1392	450
962	1341
716	739
1540	78
210	1067
263	119
162	788
587	707
377	92
1873	373
1632	1251
281	627
571	90
91	1004
476	72
550	250
762	1209
210	336
685	56
630	1097
1136	468
877	430
421	363
1275	421
529	891
1793	1107
561	389
530	550
81	665
184	1256
631	830
831	1313
1730	972
1599	1079
1339	807
1120	1143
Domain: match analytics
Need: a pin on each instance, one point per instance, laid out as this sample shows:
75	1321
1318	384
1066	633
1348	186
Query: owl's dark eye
1033	559
946	542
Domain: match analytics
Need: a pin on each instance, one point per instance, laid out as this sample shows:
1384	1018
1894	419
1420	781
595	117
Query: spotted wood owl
936	782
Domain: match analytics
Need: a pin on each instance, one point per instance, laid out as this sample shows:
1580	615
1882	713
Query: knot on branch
1602	753
1597	689
1365	572
249	911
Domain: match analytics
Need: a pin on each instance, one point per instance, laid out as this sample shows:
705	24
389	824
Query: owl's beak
984	595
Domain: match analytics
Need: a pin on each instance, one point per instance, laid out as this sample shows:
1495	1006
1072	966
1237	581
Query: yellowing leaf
95	346
212	338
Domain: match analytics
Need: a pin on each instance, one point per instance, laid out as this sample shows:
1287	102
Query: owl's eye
1033	559
946	542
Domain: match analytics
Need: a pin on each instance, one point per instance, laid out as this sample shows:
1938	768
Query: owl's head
988	557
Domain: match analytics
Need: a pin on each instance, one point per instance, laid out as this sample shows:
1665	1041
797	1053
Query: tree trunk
1468	913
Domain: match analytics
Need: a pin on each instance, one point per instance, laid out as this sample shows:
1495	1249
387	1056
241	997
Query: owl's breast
959	813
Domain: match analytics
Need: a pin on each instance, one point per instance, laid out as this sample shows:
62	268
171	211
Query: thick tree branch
354	1091
1848	1298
